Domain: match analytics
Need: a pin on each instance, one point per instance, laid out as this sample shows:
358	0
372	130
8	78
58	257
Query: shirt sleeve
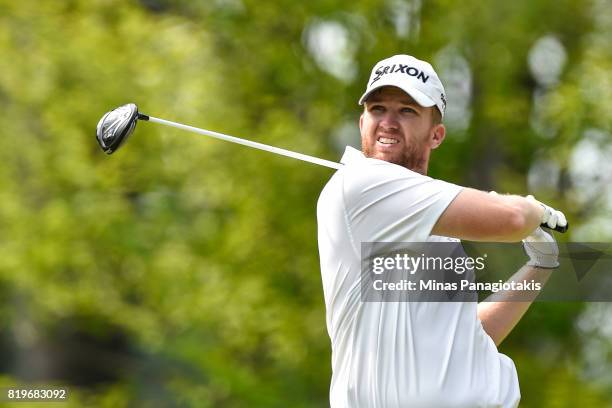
384	202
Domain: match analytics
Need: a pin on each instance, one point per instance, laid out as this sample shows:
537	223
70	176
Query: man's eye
378	108
408	110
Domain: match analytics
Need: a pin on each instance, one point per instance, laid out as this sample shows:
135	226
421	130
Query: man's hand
542	249
551	217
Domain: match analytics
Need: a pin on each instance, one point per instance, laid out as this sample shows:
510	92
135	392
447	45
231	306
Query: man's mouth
387	140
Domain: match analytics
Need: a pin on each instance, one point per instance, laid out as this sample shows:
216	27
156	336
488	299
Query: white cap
415	77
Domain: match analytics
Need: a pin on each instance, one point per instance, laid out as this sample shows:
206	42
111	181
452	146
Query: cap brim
420	98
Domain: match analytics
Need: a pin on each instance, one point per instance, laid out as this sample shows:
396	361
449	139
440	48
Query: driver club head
116	126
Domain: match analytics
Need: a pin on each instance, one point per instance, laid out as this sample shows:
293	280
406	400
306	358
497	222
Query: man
416	354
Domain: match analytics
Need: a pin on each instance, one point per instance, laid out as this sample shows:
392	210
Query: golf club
117	125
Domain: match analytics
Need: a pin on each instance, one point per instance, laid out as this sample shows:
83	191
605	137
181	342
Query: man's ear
438	133
360	122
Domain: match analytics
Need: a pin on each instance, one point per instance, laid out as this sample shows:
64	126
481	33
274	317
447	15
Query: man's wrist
533	264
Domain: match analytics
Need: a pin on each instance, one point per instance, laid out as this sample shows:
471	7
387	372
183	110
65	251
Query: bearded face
396	129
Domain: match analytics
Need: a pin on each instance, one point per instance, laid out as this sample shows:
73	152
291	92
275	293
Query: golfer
417	354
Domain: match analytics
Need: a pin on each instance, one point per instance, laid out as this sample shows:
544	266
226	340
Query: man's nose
390	121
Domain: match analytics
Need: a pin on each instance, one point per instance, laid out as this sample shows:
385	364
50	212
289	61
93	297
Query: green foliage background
183	271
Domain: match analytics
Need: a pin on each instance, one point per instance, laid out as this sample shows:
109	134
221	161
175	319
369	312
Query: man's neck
419	167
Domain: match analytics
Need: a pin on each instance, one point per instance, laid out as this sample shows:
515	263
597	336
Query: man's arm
501	311
478	216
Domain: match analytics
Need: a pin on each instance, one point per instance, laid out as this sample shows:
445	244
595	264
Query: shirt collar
351	155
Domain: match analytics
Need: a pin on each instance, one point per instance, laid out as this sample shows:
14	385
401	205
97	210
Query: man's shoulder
367	177
373	171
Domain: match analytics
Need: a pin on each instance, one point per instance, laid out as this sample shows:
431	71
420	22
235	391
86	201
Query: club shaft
233	139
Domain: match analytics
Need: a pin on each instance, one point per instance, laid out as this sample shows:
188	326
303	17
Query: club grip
557	228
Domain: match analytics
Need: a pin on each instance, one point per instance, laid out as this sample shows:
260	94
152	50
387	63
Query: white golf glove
542	249
551	217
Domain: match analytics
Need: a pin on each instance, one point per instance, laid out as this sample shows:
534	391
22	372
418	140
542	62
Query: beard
413	157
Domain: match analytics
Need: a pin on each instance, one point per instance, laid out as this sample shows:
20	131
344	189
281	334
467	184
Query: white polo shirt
398	354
